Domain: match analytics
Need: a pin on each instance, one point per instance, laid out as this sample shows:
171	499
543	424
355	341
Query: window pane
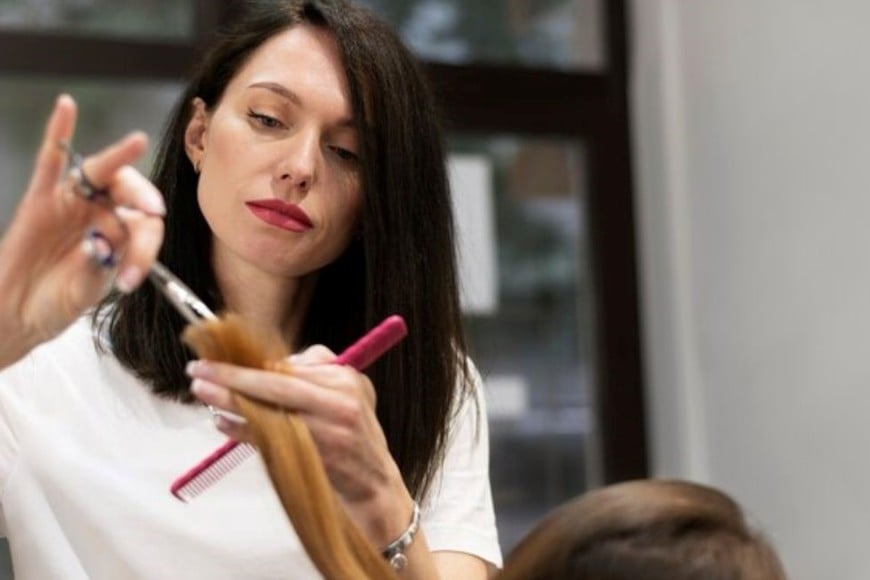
531	328
107	110
564	34
154	18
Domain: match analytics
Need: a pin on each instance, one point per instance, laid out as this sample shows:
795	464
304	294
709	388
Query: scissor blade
179	295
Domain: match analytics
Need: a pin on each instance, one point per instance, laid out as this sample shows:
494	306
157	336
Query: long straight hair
403	261
336	546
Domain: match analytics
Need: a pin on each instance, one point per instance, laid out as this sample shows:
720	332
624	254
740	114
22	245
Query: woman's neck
274	303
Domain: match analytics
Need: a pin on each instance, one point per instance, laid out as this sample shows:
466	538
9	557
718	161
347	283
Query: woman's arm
47	277
338	406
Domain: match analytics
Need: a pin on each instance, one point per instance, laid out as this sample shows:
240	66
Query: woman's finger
214	395
313	355
89	271
314	365
327	375
277	388
336	377
145	234
101	169
232	429
130	188
51	159
105	240
332	443
222	400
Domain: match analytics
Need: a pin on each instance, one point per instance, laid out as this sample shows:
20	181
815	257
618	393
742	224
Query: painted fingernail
194	367
300	359
153	203
230	418
198	368
129	279
201	388
99	249
223	424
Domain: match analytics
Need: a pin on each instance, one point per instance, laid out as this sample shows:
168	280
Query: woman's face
279	183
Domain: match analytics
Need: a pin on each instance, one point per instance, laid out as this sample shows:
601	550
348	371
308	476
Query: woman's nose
297	169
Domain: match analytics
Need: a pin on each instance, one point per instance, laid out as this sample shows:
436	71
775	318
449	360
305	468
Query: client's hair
336	546
645	530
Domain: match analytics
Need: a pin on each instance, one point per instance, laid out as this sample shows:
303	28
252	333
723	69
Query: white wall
752	131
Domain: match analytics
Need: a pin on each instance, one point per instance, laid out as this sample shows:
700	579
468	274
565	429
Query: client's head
645	530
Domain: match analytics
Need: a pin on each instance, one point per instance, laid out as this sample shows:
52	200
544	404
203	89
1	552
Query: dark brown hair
402	263
645	530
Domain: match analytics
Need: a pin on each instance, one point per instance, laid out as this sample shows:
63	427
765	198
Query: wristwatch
395	551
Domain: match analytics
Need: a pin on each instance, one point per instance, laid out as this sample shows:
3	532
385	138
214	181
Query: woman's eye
265	120
344	154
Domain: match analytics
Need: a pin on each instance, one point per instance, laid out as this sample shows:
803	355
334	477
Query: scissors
188	304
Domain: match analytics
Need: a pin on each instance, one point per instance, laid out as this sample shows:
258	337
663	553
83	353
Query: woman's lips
281	214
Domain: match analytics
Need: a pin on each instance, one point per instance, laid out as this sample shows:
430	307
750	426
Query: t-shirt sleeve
458	514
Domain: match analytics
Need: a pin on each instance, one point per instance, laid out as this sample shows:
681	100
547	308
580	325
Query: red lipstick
278	213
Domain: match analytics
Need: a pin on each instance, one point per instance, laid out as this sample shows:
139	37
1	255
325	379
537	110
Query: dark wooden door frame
592	107
589	106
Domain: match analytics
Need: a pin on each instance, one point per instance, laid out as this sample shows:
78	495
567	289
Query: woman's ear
195	134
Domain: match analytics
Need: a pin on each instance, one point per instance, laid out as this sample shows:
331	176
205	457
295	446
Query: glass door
520	207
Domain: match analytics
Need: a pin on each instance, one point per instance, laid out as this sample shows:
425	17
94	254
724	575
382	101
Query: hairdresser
50	255
304	176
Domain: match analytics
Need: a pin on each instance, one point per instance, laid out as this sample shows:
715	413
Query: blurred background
661	211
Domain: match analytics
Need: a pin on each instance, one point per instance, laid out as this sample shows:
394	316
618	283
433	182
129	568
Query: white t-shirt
87	454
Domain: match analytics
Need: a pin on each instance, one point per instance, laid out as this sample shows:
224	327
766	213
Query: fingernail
192	367
223	424
301	358
200	369
128	279
99	249
230	418
201	388
154	204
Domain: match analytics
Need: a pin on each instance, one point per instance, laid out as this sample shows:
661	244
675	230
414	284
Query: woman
306	190
645	530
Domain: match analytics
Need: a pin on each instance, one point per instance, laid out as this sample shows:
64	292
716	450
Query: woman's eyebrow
279	89
285	92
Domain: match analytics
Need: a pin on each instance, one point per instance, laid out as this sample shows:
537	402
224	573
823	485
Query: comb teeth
211	470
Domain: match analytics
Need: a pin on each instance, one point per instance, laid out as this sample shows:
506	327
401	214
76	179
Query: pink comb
225	458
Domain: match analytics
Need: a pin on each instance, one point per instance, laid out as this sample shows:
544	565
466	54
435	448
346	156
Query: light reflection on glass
562	34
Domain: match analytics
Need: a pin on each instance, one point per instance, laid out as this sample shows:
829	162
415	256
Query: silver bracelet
395	551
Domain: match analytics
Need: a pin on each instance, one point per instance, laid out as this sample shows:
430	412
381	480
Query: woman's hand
337	403
48	278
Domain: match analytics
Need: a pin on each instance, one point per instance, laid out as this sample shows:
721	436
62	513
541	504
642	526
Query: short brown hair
646	530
